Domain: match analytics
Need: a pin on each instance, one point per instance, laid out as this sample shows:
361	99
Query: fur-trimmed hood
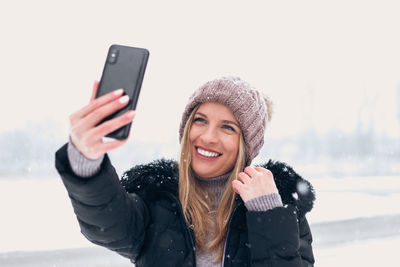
148	180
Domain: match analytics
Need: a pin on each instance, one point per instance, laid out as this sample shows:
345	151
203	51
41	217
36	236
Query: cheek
192	134
233	146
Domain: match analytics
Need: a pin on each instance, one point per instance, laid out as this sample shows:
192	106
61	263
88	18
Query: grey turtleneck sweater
215	187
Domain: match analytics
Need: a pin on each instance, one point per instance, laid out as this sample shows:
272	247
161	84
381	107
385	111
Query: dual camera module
113	56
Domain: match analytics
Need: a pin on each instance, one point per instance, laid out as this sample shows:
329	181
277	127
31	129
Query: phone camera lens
113	56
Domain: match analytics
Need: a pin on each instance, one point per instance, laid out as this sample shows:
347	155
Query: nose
209	136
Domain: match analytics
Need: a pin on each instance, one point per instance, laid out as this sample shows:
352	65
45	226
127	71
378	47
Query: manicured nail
124	99
118	92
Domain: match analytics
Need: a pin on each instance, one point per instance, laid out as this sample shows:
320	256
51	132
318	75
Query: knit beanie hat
245	102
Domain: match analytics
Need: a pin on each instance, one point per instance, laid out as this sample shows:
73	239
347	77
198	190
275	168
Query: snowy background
332	70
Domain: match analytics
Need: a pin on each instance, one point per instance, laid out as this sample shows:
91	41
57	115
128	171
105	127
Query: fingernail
124	99
118	91
131	113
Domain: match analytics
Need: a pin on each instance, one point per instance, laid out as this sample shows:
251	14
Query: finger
105	147
94	90
112	125
102	112
250	171
244	178
237	186
96	103
263	170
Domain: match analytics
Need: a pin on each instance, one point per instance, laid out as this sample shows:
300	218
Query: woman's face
214	140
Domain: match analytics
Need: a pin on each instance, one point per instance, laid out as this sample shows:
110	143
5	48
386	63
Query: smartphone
124	68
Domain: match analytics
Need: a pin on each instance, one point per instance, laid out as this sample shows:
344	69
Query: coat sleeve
278	238
108	216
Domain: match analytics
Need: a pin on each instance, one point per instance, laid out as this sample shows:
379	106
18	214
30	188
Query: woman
211	209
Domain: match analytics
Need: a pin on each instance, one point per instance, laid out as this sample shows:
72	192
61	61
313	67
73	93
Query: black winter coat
140	217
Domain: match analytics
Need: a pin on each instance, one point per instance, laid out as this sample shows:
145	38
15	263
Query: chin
204	170
204	173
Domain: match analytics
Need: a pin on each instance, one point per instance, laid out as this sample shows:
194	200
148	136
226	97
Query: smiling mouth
206	153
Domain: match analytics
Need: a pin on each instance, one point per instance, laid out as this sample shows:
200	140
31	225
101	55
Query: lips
207	153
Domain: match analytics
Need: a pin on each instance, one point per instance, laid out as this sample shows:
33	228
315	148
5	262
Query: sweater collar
218	181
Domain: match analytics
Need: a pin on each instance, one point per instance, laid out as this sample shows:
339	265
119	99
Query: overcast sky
344	53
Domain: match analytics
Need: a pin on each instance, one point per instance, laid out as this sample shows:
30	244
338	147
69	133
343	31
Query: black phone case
124	68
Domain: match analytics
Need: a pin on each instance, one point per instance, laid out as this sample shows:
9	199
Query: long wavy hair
195	205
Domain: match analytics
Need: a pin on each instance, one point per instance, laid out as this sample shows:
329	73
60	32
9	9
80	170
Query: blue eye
199	120
229	128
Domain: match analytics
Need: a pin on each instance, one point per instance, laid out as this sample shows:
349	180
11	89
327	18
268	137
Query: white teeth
207	153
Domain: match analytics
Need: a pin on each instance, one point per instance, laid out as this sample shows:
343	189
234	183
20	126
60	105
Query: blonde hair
196	208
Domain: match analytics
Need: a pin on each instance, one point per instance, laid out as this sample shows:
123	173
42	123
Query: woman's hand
87	137
254	182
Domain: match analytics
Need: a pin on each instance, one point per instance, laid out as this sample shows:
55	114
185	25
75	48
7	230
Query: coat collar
148	180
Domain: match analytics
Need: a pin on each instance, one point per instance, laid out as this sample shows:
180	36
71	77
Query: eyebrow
224	121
